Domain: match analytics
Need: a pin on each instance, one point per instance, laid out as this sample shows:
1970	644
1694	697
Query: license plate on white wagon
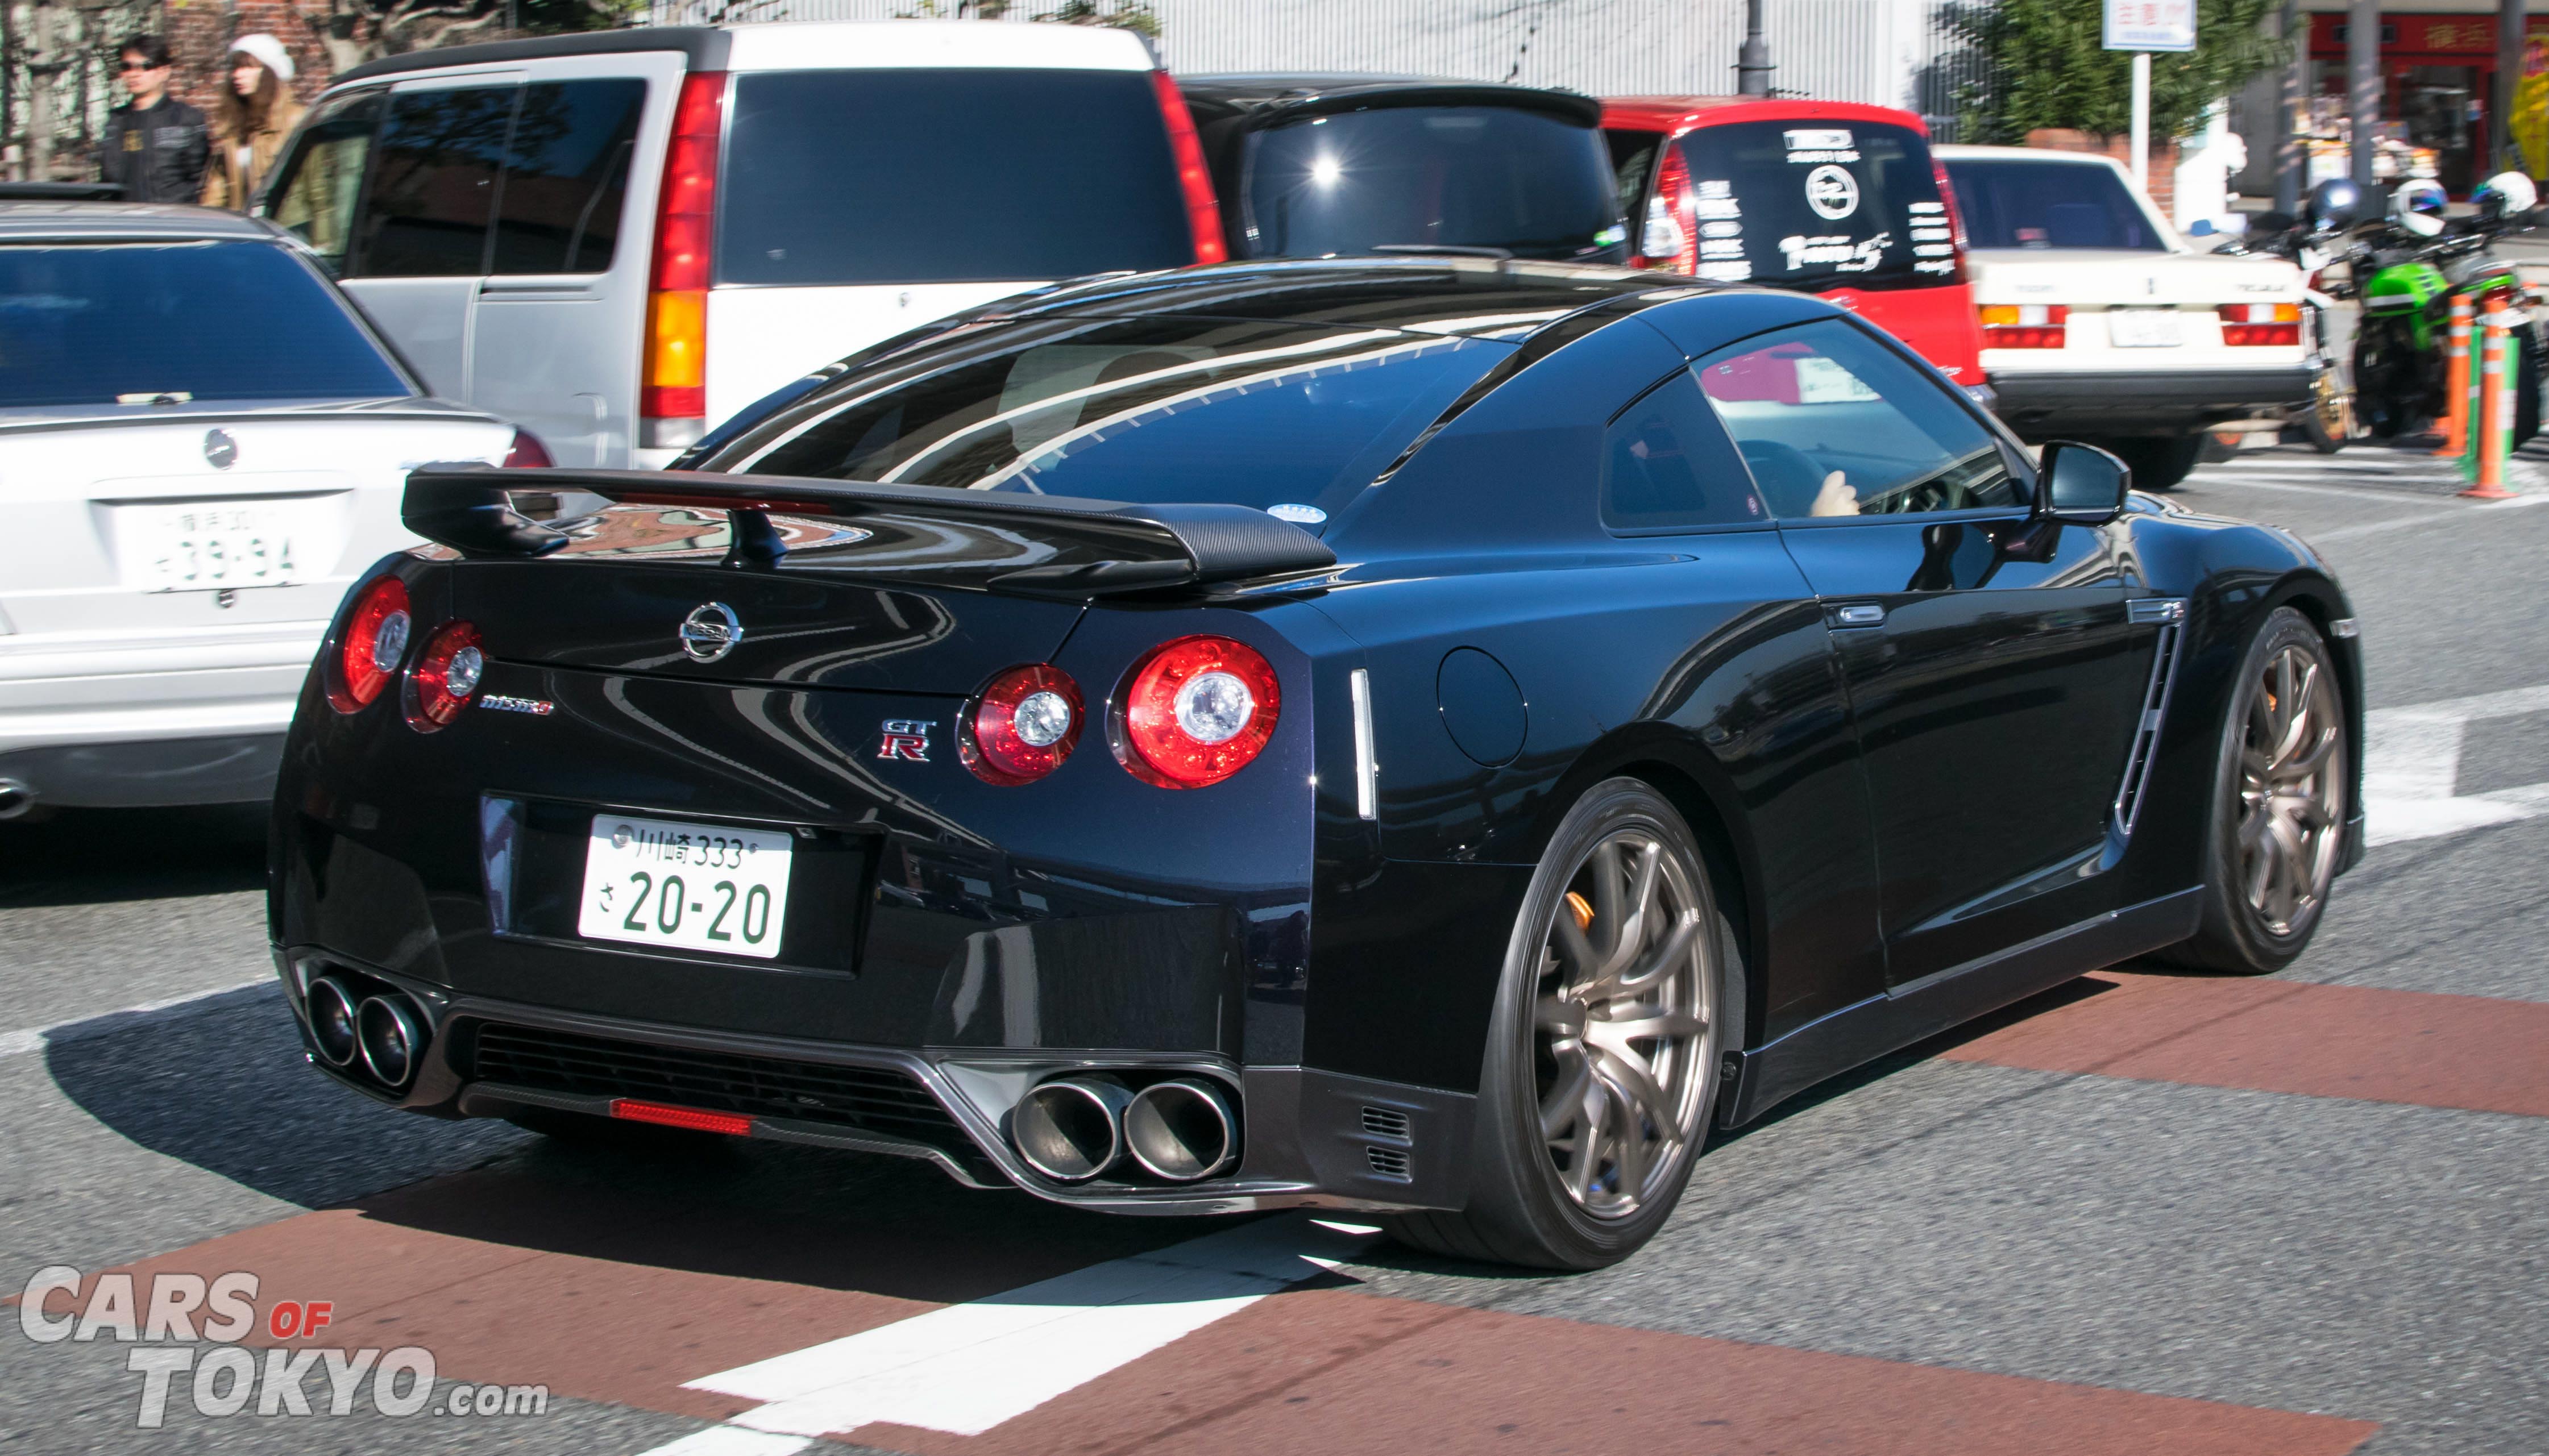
685	886
2143	328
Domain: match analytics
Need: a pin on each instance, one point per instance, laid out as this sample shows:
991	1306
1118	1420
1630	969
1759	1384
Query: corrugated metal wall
1889	52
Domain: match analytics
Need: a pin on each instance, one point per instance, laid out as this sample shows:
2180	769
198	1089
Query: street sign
2150	25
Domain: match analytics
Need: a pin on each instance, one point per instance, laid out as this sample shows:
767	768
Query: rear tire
1586	1131
2280	789
2158	462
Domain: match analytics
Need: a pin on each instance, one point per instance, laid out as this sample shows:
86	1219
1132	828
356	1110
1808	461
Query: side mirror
2080	485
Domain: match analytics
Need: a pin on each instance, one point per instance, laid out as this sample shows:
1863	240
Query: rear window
1149	410
1431	176
129	324
1803	204
946	177
2050	205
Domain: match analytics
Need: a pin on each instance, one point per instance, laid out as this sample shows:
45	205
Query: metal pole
1753	63
2141	119
2509	74
2291	158
2363	90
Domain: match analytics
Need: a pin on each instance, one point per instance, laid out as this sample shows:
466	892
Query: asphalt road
2147	1213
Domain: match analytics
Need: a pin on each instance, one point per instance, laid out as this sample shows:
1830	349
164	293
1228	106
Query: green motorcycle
2404	270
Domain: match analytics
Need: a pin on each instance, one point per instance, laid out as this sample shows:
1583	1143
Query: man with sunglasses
156	146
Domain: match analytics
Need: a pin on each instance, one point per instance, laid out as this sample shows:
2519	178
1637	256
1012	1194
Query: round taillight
1022	726
1197	711
446	675
373	642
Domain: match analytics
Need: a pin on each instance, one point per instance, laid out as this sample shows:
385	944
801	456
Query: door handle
1859	614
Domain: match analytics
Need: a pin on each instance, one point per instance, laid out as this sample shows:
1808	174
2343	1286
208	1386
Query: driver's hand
1835	497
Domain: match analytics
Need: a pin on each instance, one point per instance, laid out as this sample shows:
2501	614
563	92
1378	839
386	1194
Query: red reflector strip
2240	335
628	1109
2023	336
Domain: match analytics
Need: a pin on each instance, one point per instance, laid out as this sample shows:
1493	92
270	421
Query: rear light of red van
2025	325
673	395
1194	179
1955	219
1669	222
2249	325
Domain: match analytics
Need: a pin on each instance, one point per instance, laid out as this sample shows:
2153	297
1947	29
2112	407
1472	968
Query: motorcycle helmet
2335	203
2506	195
2417	206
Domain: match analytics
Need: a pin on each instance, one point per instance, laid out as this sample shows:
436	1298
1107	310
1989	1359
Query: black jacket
156	154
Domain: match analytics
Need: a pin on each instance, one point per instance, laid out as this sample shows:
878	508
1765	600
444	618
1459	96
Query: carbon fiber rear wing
1106	547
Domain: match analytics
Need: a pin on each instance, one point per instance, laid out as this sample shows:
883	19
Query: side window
1667	464
314	191
434	187
1832	422
566	176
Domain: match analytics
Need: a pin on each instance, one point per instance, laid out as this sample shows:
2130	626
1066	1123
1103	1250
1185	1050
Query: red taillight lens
373	644
2025	325
630	1110
674	384
447	675
528	452
1197	711
2256	324
1022	726
1203	209
1955	219
1670	220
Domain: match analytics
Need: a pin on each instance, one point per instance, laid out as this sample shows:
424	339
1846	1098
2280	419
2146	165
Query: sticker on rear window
1820	146
1832	192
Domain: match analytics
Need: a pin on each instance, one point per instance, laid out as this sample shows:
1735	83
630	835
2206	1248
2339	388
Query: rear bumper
113	721
1307	1136
150	772
2113	401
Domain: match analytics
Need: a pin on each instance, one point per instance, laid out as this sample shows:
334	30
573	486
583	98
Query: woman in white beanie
256	112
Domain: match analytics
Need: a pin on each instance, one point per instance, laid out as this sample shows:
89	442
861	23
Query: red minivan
1829	197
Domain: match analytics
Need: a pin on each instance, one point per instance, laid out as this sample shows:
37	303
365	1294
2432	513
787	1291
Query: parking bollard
2495	407
2456	390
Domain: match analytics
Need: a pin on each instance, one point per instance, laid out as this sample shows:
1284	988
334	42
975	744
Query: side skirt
1861	1033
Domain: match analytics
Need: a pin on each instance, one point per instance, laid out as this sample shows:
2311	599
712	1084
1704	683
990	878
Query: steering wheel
1788	477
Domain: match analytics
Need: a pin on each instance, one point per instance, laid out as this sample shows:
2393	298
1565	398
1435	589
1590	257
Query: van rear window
1817	204
946	177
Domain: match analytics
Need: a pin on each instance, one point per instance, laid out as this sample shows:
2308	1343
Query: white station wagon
200	445
2101	324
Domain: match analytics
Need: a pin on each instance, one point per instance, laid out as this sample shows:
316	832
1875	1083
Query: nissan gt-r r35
1427	738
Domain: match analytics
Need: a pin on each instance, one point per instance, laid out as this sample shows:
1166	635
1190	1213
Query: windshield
1148	409
2047	205
937	176
1432	176
133	323
1810	204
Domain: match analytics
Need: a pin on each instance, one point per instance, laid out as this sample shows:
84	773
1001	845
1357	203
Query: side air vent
1389	1162
2169	614
1383	1122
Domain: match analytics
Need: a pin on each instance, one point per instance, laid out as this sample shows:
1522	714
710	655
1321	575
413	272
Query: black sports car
1427	737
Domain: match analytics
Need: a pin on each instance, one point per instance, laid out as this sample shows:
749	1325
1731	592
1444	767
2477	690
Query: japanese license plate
685	886
2142	329
208	545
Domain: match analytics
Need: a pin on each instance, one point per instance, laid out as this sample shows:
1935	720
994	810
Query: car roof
1679	114
2022	155
1269	98
1499	298
55	222
846	44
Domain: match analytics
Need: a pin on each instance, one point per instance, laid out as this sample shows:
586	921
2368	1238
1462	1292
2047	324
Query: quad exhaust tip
392	1038
1070	1128
1181	1130
333	1018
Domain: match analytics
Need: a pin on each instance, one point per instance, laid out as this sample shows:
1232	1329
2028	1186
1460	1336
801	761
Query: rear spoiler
1112	547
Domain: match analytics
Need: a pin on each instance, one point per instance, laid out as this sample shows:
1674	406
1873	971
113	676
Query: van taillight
1670	220
1204	211
674	386
1955	219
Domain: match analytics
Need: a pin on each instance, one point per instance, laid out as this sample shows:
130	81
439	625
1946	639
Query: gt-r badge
905	738
711	631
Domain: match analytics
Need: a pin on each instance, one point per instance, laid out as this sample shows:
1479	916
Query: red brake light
630	1110
528	452
1195	711
674	385
1203	209
373	642
1669	217
1022	726
447	675
1955	219
2025	325
2261	325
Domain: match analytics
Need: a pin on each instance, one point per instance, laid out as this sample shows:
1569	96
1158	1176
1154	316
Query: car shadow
222	1084
97	856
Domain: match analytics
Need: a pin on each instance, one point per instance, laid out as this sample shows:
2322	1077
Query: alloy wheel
1625	1035
2291	765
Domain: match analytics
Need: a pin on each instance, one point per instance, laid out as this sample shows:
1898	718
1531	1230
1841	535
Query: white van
620	239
